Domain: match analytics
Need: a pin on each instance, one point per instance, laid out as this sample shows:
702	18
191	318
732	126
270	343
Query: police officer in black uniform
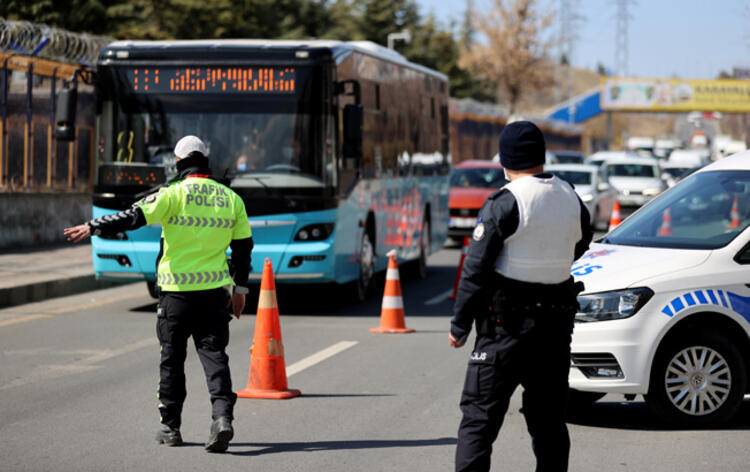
516	286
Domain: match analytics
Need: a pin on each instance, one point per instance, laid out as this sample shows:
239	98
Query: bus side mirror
65	119
352	131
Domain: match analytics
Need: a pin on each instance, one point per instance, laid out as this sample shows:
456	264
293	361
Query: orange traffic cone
267	377
464	251
734	215
615	219
392	310
666	224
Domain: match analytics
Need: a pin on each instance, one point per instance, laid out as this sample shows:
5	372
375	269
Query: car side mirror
65	118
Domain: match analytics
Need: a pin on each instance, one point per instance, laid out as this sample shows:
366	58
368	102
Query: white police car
666	309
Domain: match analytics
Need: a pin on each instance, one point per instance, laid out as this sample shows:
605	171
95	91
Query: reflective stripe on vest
201	222
191	278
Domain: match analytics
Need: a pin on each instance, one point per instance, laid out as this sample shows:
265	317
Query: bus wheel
697	381
366	267
424	249
153	289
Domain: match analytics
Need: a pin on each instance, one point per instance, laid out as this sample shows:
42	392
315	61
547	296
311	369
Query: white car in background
663	147
636	179
689	157
672	172
600	157
731	147
591	185
666	308
549	158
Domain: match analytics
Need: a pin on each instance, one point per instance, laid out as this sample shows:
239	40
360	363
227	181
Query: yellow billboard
679	95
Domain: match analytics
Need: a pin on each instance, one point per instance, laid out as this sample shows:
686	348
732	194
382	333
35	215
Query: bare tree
514	49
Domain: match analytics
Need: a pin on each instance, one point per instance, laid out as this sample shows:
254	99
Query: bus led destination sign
253	80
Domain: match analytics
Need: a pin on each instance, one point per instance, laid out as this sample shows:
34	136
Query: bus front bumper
310	262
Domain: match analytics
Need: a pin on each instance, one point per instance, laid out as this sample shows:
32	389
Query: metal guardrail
36	60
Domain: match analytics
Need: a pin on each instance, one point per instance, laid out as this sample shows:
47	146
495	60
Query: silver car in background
600	157
590	183
636	179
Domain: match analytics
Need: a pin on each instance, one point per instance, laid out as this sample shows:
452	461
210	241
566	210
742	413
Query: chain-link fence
36	61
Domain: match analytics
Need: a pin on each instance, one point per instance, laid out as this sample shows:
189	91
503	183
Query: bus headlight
613	305
316	232
122	236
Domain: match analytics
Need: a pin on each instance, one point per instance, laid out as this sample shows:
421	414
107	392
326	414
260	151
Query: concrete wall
38	219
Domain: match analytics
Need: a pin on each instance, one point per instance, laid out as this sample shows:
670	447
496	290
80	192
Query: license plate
463	222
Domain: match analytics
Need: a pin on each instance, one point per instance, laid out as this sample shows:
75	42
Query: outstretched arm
126	220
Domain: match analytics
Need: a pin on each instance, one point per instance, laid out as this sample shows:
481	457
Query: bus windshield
256	140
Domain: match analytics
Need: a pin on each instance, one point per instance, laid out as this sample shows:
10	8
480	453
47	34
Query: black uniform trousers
203	315
535	353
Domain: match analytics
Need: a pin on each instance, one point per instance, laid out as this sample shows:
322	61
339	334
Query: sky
690	39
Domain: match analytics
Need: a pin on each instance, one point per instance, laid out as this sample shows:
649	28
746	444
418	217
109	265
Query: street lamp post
404	35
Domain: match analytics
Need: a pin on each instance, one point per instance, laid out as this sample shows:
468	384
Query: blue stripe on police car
732	301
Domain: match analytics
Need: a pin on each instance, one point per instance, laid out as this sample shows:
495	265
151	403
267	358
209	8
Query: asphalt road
78	380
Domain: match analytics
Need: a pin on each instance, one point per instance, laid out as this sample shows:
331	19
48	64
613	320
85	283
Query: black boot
169	436
221	433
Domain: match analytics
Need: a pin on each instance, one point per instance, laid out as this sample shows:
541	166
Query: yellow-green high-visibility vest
199	218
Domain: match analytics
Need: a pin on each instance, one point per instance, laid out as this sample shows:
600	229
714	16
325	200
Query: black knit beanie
521	146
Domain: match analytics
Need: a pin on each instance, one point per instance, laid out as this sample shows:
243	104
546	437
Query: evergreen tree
344	21
433	45
75	15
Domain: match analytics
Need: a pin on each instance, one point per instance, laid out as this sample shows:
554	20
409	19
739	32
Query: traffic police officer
200	218
516	285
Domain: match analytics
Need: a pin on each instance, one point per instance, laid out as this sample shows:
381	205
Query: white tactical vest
549	226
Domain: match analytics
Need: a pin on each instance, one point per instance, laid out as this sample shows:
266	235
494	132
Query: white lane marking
319	356
52	371
439	298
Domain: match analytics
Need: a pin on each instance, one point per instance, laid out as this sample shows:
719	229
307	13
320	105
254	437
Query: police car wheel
366	267
698	381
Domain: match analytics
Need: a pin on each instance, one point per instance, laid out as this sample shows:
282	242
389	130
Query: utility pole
568	21
404	35
621	50
621	37
565	50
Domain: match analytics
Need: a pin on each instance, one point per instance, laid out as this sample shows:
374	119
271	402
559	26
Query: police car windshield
487	177
705	211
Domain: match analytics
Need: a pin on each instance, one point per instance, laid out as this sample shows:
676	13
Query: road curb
34	292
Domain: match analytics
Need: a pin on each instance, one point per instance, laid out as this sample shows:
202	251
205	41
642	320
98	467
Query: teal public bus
340	150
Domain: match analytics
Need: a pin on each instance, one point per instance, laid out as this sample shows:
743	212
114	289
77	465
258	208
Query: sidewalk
36	274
